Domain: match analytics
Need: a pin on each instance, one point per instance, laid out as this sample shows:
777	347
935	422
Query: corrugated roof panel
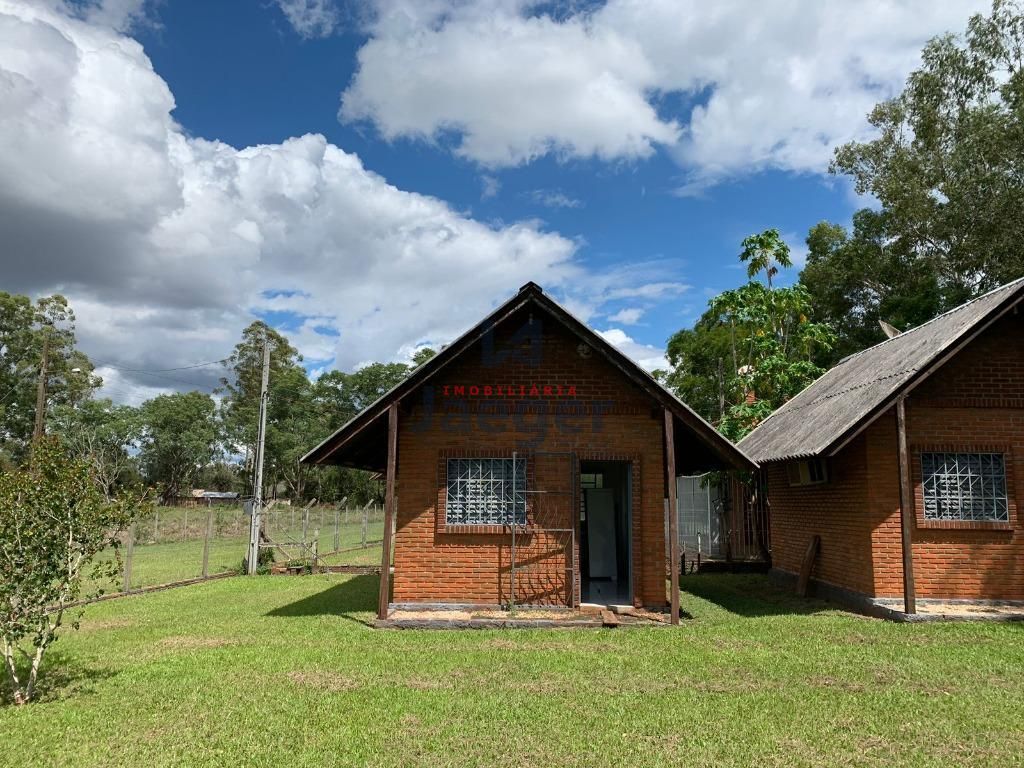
830	407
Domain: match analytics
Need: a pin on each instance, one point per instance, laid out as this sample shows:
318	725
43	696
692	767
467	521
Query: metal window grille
965	486
486	492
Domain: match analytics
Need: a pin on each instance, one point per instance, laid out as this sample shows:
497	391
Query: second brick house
905	464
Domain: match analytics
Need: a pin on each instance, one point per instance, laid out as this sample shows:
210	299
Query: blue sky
374	177
242	75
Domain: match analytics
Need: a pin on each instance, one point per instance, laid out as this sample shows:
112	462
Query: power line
109	364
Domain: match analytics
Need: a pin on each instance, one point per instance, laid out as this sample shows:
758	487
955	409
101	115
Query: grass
284	671
169	546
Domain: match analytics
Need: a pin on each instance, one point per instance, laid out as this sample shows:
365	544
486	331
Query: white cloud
648	357
166	244
657	290
121	15
554	198
798	250
490	186
311	18
776	85
515	88
627	316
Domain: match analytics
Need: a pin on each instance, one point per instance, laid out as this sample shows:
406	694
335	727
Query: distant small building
907	461
198	497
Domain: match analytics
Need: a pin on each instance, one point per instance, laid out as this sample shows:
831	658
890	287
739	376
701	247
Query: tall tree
765	252
947	165
103	435
857	279
180	439
290	413
341	395
26	327
753	349
422	355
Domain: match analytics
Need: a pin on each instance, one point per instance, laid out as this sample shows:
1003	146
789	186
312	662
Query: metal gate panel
543	563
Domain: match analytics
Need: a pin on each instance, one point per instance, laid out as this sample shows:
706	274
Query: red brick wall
834	511
973	403
612	419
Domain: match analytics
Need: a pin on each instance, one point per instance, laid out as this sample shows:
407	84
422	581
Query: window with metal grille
486	492
964	487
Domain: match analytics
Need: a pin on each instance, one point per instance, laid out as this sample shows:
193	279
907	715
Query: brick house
526	463
906	460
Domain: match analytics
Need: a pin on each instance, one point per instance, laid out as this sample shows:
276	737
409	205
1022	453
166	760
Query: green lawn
169	546
283	671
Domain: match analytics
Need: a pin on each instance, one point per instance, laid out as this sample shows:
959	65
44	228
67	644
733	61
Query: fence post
206	544
127	584
316	547
156	526
366	520
305	526
291	527
337	531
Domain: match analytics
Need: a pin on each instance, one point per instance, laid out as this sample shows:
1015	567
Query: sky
374	177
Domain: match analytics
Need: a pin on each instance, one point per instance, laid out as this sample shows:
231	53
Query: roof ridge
928	322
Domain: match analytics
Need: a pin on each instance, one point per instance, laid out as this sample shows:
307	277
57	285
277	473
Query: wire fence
175	544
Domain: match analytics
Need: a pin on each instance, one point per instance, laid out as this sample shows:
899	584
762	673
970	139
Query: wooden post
305	528
389	513
673	513
906	508
156	526
40	422
206	543
366	521
127	585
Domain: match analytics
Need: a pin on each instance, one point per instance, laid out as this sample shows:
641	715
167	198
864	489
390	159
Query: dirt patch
323	680
427	684
187	643
849	686
101	625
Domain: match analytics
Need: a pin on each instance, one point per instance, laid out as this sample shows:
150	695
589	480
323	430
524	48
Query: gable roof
843	401
366	433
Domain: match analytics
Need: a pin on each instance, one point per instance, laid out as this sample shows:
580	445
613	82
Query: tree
25	328
180	438
104	435
422	355
947	165
53	521
765	252
753	349
340	395
289	407
774	340
857	279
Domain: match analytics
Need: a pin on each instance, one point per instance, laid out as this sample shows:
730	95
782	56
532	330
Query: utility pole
261	434
40	427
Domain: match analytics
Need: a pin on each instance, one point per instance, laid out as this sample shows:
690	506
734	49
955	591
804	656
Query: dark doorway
605	538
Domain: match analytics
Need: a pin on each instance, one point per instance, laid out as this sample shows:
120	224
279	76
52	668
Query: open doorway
606	571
